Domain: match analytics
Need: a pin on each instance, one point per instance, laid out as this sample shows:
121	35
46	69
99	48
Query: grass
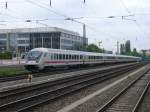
5	71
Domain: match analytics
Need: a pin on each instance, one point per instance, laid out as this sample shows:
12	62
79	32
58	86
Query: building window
21	41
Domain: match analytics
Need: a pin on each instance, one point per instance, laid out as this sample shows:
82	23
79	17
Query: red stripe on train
61	61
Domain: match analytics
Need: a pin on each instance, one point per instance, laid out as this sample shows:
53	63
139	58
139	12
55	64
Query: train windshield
34	55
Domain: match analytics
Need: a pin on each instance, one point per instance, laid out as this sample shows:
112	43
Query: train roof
79	52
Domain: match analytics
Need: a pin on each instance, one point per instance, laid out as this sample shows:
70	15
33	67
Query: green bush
6	55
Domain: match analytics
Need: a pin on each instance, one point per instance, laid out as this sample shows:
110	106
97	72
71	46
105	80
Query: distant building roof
147	52
39	29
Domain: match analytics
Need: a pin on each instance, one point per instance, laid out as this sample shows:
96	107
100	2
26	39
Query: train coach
42	58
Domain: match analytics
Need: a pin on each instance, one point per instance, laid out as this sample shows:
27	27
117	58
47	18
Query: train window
108	57
96	57
45	54
52	55
55	56
92	57
111	57
77	56
72	56
60	56
69	56
63	56
81	56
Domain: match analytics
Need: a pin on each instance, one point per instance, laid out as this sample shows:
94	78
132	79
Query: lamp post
83	26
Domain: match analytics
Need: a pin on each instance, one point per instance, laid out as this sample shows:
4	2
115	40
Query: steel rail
64	91
110	102
141	98
52	83
57	71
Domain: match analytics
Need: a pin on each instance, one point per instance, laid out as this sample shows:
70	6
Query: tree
93	48
135	53
122	49
6	55
127	46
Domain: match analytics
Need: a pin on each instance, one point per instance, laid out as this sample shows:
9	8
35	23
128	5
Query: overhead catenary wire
125	7
18	18
60	14
73	19
141	29
134	20
46	8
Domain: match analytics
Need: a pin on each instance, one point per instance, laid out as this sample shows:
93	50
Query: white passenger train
41	58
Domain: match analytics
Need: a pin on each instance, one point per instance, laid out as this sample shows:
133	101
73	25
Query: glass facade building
25	39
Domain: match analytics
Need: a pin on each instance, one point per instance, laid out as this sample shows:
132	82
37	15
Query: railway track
129	98
143	104
51	72
26	98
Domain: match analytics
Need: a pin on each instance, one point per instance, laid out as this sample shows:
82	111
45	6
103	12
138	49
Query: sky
103	19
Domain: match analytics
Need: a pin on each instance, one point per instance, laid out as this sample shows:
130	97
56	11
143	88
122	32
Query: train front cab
34	61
